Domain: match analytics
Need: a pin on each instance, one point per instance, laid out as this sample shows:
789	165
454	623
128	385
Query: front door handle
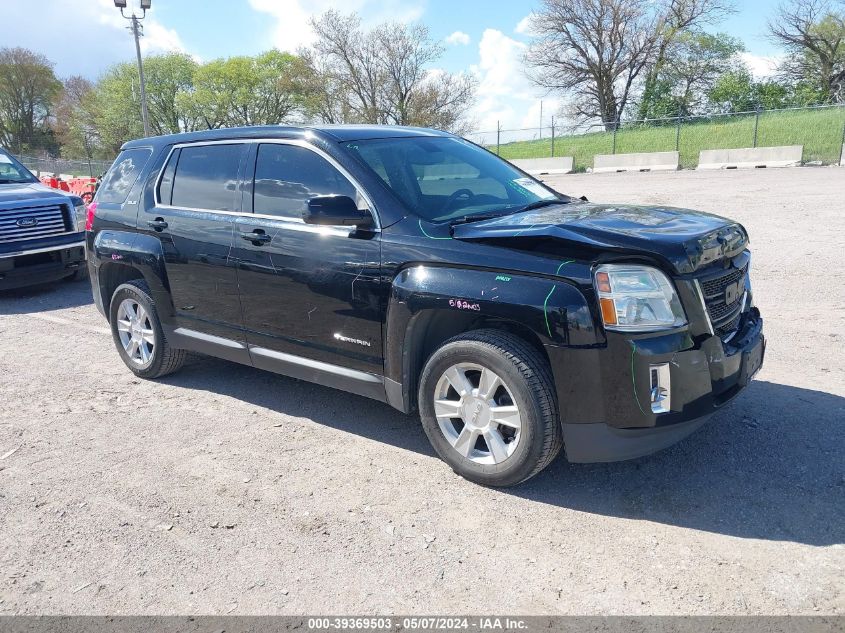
159	224
256	237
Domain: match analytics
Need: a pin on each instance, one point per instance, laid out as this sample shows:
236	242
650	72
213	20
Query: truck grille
724	309
30	223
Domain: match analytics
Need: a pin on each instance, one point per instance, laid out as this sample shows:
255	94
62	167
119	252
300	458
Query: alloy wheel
136	332
477	413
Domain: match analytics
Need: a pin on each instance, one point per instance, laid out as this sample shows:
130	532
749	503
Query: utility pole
541	118
137	33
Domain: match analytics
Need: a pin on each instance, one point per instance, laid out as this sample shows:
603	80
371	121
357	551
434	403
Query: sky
485	37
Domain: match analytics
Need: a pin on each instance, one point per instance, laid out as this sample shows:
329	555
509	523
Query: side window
206	177
122	175
165	186
287	176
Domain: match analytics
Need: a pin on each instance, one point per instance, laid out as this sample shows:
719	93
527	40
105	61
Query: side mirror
336	211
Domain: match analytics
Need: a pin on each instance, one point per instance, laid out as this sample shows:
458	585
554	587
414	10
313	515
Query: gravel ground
223	489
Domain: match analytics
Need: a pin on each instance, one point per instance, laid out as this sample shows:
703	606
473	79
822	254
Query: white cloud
505	95
458	38
292	30
761	67
523	27
81	38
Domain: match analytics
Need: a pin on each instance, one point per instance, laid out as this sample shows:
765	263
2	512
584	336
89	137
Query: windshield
12	171
445	178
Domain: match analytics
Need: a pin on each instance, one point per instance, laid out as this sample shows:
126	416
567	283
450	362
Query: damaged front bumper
640	394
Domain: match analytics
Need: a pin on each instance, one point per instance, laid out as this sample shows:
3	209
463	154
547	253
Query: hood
685	239
13	193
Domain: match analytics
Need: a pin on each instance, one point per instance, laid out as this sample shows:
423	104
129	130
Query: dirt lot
224	489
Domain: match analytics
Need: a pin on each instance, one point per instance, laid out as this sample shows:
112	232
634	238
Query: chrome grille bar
30	223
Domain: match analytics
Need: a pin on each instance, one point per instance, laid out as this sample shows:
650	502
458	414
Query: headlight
637	298
80	214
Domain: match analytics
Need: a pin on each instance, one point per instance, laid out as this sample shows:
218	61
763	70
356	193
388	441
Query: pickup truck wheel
79	274
138	334
487	404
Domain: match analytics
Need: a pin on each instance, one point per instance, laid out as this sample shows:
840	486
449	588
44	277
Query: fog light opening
661	389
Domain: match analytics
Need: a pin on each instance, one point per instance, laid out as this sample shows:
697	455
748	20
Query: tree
382	76
118	100
75	119
736	91
118	106
28	88
167	77
599	48
698	60
813	33
266	89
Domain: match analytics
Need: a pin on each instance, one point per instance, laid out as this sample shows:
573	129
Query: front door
307	292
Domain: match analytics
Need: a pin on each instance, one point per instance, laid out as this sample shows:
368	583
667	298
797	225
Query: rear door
309	291
198	197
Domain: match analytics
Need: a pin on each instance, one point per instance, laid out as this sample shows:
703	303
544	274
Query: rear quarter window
119	180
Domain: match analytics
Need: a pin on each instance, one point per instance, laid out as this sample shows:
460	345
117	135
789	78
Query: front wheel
488	407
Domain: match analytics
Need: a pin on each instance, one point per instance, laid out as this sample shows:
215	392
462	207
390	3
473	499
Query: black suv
416	268
41	229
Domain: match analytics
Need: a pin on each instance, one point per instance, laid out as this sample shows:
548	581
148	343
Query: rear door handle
256	238
159	224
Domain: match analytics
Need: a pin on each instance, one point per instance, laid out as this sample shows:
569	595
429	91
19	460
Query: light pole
137	32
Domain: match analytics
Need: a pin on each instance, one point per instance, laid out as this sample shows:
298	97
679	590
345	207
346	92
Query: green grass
819	131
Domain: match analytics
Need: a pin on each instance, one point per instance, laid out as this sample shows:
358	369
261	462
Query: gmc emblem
734	291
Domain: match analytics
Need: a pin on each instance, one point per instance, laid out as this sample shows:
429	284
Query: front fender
553	309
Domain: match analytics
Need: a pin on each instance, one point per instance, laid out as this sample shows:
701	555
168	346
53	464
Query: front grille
723	331
30	223
725	315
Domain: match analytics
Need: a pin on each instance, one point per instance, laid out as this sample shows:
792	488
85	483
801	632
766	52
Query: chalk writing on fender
460	304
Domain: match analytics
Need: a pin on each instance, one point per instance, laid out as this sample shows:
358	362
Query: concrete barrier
545	166
652	161
751	157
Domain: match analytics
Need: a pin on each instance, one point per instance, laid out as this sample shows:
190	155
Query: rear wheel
138	334
487	405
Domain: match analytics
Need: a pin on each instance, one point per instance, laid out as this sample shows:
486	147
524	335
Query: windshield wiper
478	217
539	204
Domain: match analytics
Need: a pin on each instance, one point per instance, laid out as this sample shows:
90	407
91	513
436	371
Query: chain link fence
820	129
64	168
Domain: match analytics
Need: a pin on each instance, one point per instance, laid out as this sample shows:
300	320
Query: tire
152	357
513	447
79	274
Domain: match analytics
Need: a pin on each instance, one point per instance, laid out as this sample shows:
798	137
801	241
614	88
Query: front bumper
607	399
41	261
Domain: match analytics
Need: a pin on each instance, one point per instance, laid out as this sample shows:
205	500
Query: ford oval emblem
26	223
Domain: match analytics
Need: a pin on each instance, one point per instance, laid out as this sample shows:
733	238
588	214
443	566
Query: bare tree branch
813	32
598	49
382	75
